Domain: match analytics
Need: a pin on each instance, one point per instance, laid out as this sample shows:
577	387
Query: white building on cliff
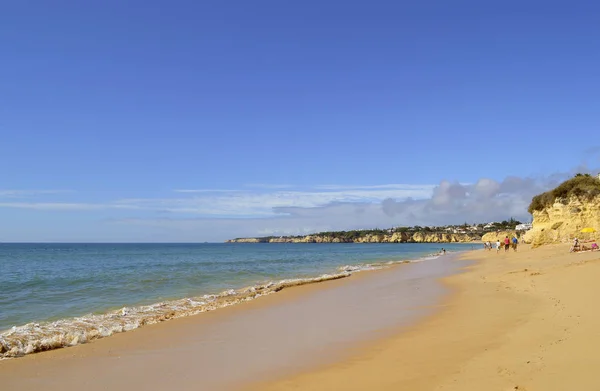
523	227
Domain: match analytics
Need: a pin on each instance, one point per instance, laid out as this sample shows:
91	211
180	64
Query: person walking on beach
515	242
506	244
497	246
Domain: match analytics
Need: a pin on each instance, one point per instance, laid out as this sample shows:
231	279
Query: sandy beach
509	321
516	321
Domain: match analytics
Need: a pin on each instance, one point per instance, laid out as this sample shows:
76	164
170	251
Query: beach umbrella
588	231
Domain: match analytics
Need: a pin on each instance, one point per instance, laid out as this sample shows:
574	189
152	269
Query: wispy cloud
394	186
249	203
66	206
268	186
206	191
592	150
14	193
243	203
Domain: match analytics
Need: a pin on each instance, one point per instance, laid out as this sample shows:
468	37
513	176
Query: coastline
342	314
515	321
33	335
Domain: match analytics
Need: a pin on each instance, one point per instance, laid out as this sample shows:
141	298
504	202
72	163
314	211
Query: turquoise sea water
63	291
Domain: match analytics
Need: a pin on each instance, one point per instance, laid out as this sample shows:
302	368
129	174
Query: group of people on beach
506	244
577	246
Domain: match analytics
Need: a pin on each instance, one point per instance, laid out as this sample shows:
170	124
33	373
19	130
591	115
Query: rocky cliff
500	235
397	237
563	220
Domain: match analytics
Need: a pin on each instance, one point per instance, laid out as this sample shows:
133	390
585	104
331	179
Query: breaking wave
37	337
382	265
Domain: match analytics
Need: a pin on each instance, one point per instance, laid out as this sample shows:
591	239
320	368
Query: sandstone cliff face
563	221
397	237
500	235
422	237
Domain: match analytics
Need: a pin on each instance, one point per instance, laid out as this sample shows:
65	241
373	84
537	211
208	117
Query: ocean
56	295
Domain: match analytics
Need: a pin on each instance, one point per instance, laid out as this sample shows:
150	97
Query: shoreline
270	320
516	321
41	336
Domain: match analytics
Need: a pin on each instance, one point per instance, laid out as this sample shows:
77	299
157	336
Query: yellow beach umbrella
588	230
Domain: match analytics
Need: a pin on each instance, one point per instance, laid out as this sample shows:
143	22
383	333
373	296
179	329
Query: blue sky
192	121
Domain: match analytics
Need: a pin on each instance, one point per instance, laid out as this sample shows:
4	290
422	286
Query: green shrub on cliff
582	186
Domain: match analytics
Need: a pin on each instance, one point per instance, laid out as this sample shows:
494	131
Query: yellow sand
518	321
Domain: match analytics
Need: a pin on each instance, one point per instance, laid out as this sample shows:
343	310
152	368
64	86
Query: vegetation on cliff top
582	186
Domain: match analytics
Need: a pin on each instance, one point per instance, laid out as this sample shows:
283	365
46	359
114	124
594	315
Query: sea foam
38	337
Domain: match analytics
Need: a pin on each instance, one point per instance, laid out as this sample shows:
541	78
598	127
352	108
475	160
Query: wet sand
297	330
517	321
